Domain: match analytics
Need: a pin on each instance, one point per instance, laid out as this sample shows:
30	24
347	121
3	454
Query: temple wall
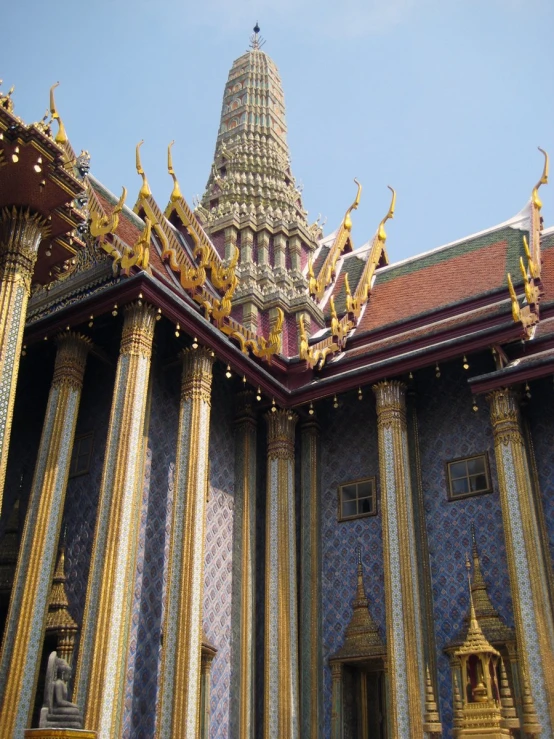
219	550
448	429
348	452
540	415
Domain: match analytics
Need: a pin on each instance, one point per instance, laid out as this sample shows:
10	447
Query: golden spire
347	221
61	136
458	707
534	272
381	234
58	617
531	723
176	194
145	189
509	713
431	718
362	636
475	641
537	202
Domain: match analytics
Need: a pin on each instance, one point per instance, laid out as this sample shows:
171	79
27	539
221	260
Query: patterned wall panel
219	550
82	492
349	452
449	428
144	643
541	421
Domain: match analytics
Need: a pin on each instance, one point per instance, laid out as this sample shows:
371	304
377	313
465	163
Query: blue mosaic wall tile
541	422
144	645
219	551
449	428
83	491
349	452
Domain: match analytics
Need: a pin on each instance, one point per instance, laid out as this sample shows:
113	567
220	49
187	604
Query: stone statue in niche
57	712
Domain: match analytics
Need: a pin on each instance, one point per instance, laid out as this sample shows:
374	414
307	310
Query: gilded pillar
22	646
532	616
179	697
244	571
281	702
311	660
404	632
337	720
20	235
101	671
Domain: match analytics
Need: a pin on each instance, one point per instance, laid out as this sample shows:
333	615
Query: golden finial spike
381	233
61	136
347	222
333	309
537	202
145	189
516	311
176	193
534	272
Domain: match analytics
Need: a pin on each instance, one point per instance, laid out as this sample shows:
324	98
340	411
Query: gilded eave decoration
316	354
528	313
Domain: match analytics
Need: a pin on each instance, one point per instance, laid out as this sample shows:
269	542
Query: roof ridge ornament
61	136
176	194
145	189
256	41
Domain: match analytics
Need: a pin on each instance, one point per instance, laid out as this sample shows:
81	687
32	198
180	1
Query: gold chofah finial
100	225
516	310
347	222
381	233
176	194
61	136
537	202
145	189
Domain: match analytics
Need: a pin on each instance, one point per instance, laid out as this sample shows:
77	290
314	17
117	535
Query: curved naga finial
100	225
381	233
537	202
61	136
176	193
347	221
145	189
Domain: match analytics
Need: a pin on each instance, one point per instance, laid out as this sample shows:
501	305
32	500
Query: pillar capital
197	374
138	329
245	412
280	428
21	231
391	401
505	417
71	359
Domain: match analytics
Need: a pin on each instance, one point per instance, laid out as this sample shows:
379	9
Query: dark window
357	499
469	476
81	454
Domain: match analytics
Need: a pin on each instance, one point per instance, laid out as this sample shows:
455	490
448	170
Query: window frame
77	440
375	510
470	494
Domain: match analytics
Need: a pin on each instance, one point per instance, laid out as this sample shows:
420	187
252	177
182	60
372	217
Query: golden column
404	633
22	646
244	542
100	680
179	697
532	615
20	235
281	703
311	659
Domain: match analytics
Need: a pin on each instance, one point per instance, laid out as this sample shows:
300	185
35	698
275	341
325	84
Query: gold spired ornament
27	615
21	232
281	700
103	646
179	697
404	635
527	570
244	543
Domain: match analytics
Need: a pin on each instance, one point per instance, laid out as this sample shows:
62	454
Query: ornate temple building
247	468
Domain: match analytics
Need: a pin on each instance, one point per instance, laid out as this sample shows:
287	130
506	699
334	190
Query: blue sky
446	100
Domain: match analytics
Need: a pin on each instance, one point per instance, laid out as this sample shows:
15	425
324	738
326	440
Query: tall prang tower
252	201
